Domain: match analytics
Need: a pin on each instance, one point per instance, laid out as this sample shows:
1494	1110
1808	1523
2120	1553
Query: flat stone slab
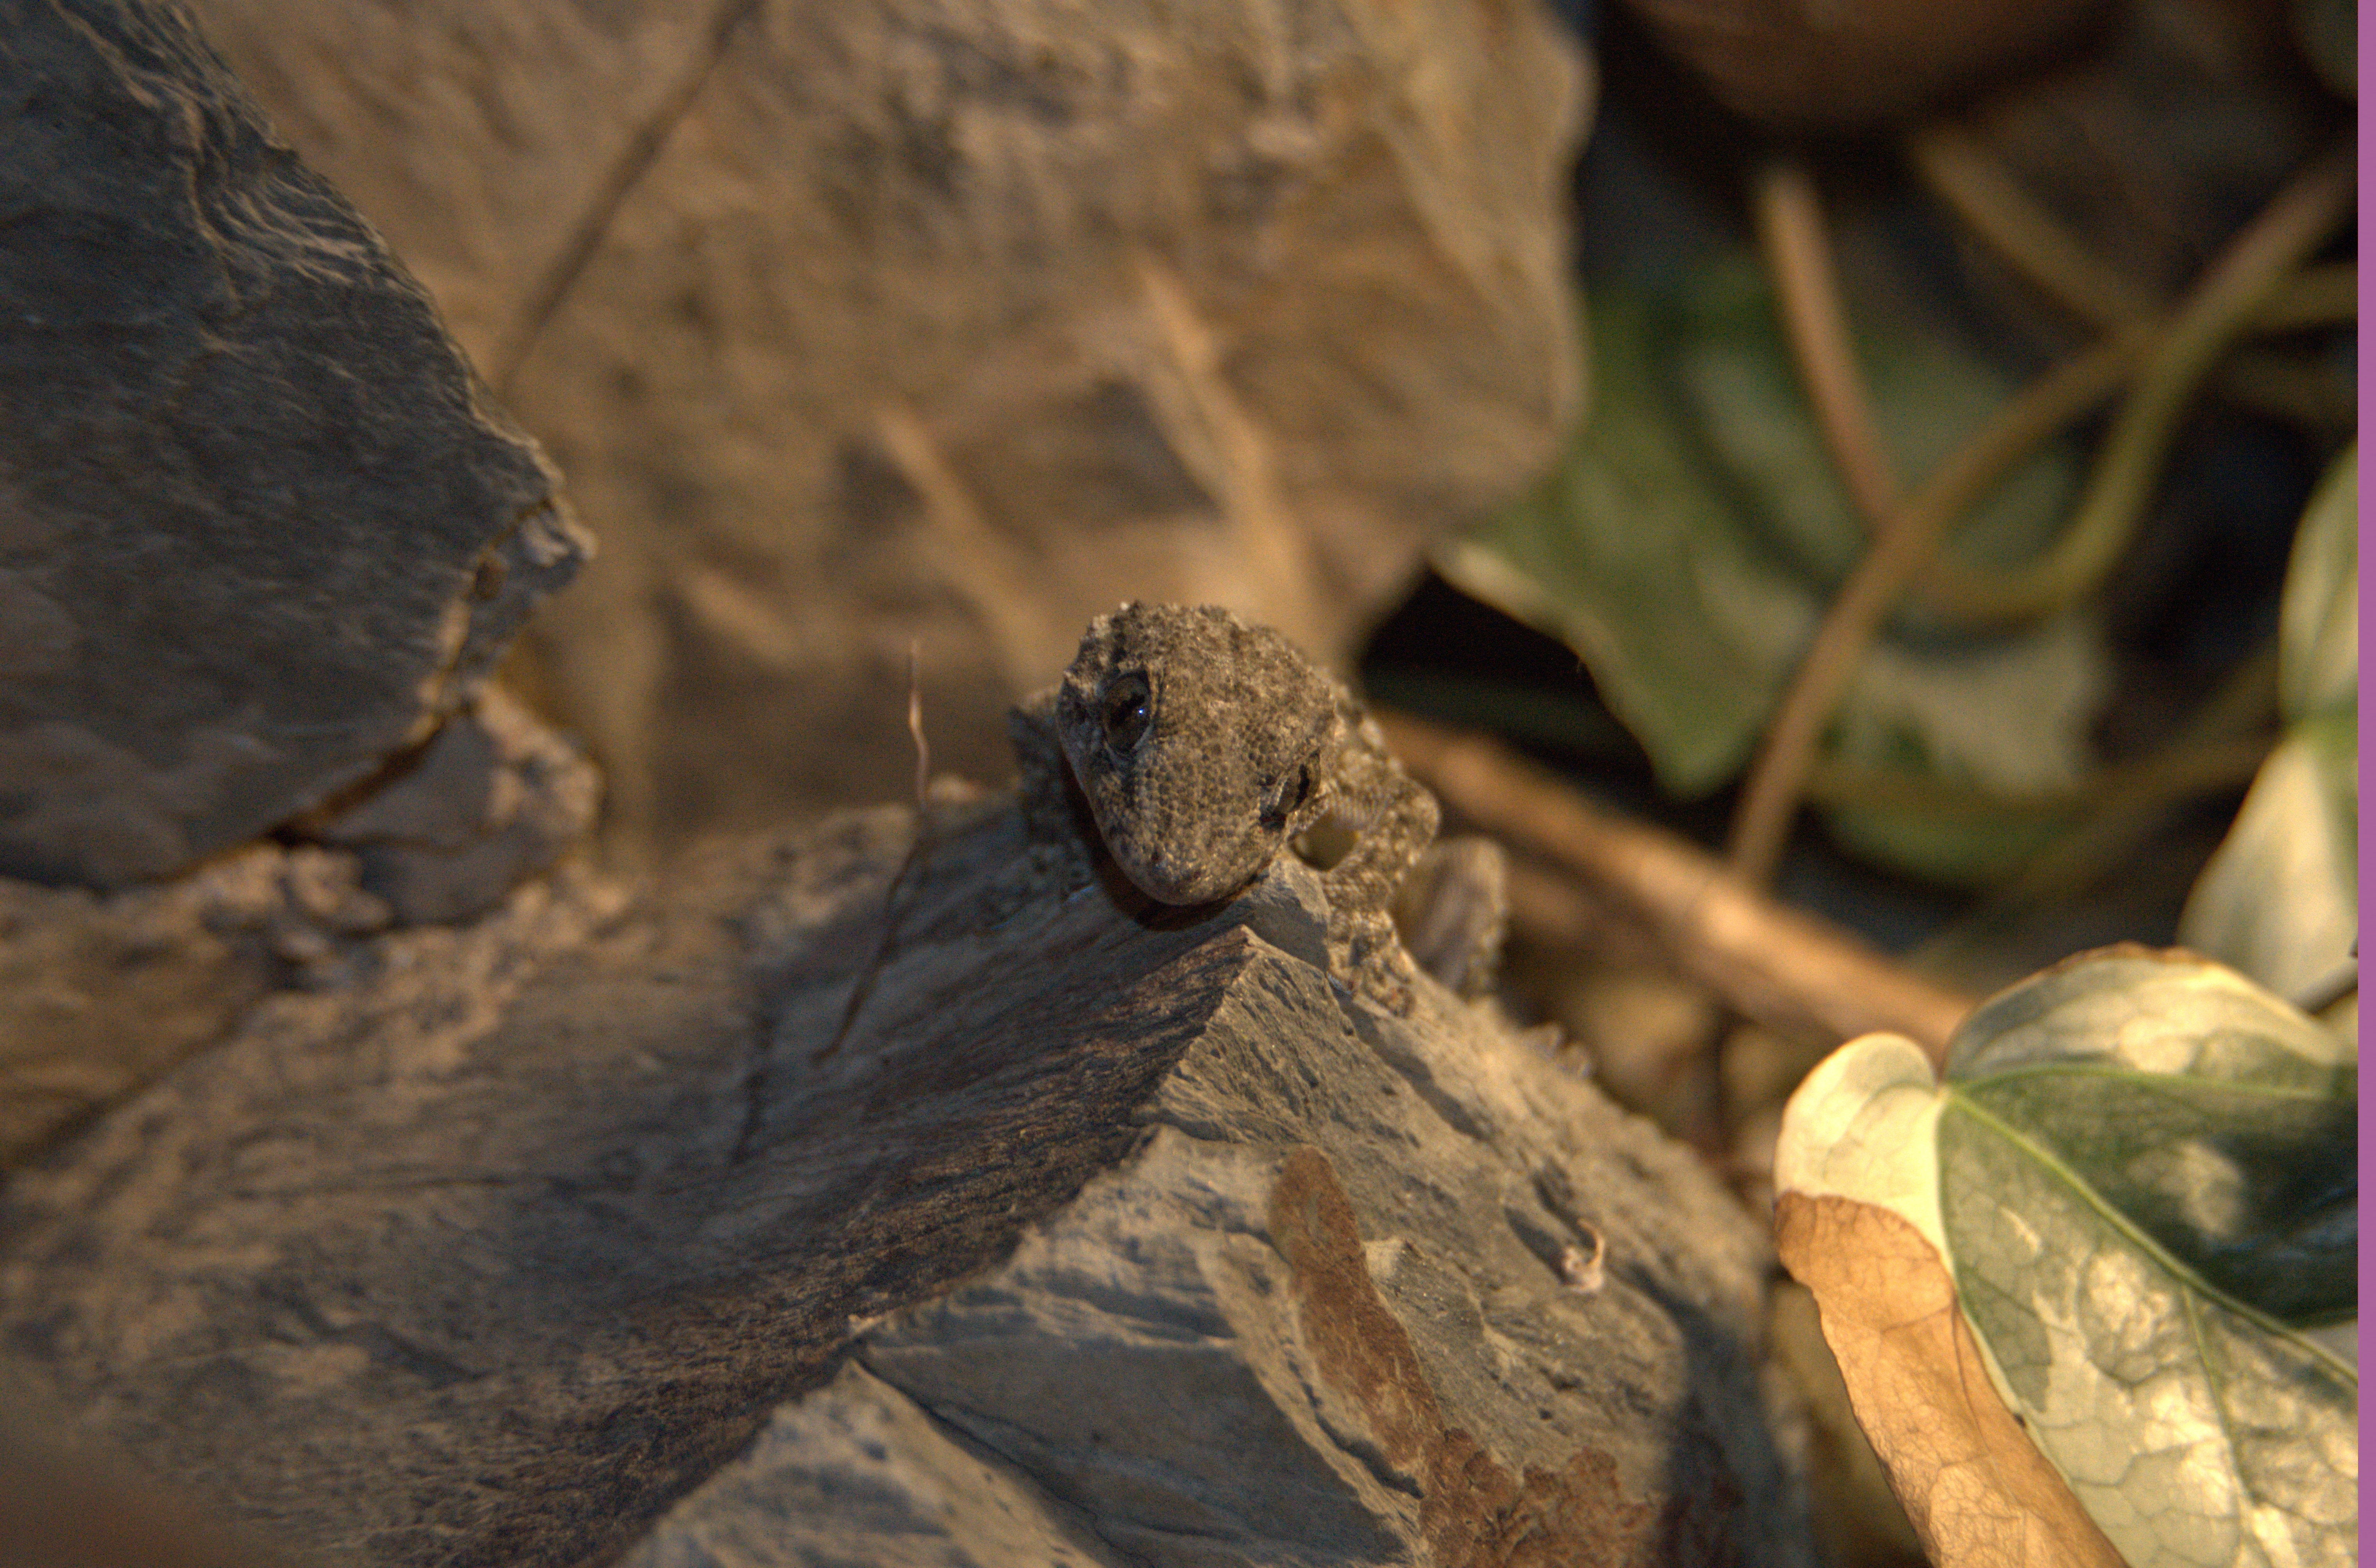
784	1214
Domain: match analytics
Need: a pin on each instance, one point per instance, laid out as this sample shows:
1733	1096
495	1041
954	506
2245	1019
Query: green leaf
1695	530
2280	898
2192	1105
1629	555
2318	616
2142	1170
2017	703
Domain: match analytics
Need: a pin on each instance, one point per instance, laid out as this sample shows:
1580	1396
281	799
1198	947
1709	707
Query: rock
848	1199
954	321
491	800
1799	64
258	527
101	992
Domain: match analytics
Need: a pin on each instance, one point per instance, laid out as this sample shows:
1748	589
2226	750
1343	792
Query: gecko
1204	748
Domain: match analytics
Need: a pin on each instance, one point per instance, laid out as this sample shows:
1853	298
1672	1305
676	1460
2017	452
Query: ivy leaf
2279	898
1970	1480
2216	1118
2318	615
1695	530
2141	1170
1629	553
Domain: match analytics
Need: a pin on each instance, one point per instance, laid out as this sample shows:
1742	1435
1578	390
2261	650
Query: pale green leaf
2318	617
2279	898
2142	1170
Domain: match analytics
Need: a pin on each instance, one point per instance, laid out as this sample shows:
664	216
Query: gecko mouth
1167	885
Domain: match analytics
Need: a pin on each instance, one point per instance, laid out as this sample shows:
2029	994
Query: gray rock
102	992
957	321
258	527
491	800
833	1203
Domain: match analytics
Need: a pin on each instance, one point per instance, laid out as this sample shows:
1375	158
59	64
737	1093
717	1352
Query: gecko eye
1127	710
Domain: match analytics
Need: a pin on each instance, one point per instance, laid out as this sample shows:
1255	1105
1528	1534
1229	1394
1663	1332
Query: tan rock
954	322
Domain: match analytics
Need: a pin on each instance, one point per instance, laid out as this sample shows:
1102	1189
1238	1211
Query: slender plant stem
1806	286
1969	179
2246	277
2327	294
1966	176
1778	777
1962	172
2317	396
2251	286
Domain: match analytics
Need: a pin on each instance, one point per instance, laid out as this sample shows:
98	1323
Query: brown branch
1789	970
1807	291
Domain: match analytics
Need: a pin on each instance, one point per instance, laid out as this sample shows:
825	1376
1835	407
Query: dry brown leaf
1978	1492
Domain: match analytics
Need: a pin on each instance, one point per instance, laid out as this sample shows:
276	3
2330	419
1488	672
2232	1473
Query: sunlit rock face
955	323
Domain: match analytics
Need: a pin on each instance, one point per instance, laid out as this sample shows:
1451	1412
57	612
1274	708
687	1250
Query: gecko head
1201	743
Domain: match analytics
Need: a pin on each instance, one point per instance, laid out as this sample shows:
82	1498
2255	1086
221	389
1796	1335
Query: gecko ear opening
1127	710
1286	800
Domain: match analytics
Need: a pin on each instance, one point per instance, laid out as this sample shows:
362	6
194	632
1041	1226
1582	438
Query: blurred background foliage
1960	539
2090	329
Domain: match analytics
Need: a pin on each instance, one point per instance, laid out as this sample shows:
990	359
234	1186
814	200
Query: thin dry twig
1806	286
1792	972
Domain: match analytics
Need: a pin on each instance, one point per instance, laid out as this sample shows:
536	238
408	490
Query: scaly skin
1204	748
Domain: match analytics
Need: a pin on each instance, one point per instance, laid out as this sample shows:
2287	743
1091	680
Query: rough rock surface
102	992
834	1203
257	527
956	321
490	801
